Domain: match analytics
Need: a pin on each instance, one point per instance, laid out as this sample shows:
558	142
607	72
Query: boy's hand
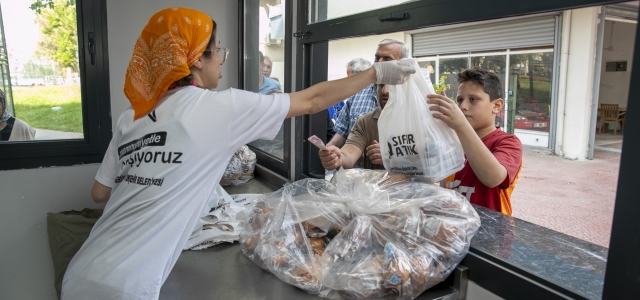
373	152
331	158
447	110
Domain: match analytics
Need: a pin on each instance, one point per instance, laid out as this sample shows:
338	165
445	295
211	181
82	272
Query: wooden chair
609	114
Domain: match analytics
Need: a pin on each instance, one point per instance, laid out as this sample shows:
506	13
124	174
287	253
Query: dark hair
188	80
487	79
260	58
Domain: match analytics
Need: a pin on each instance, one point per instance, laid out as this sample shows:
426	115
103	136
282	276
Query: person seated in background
266	84
493	157
11	128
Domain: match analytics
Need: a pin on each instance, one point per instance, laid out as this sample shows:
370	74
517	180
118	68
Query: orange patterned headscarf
173	40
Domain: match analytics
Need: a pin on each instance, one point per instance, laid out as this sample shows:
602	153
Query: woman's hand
393	72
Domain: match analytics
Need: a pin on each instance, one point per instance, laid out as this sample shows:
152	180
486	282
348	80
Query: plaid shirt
357	105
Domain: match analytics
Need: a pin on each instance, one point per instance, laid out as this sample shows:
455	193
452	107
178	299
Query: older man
267	66
355	66
365	100
363	133
267	85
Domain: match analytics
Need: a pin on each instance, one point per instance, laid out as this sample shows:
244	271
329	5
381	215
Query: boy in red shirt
493	157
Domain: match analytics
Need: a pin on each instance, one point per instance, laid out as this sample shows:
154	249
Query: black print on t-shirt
152	116
151	139
165	157
402	145
139	180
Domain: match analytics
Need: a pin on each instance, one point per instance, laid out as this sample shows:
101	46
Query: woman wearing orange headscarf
170	149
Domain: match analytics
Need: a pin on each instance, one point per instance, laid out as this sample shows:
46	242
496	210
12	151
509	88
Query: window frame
498	276
281	167
96	104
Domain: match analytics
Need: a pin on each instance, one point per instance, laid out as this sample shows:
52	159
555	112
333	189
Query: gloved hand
393	72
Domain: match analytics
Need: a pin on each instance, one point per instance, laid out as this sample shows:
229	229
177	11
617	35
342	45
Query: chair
609	114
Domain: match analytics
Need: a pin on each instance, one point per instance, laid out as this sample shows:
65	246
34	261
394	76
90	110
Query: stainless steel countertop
223	272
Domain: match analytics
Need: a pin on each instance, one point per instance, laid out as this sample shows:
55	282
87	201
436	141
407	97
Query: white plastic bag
222	221
412	142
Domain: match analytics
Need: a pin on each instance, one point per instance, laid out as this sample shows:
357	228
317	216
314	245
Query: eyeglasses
224	52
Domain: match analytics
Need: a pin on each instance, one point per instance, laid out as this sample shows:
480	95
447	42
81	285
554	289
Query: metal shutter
511	34
628	11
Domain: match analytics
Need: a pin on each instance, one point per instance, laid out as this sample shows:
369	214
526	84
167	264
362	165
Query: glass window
430	65
40	56
450	67
497	64
331	9
532	74
270	65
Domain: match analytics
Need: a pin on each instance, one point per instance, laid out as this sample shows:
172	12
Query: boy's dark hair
488	80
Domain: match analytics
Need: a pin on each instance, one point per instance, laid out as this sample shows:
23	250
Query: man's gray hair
405	50
358	65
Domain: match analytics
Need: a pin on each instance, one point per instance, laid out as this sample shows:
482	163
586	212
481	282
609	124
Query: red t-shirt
508	150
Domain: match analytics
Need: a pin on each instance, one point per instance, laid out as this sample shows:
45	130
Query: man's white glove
394	72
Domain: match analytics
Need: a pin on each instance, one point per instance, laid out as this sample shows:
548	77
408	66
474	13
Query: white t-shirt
162	169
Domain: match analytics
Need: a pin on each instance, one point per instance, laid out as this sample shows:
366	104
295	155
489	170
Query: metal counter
223	272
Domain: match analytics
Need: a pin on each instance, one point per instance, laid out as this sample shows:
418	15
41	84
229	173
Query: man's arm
337	140
342	125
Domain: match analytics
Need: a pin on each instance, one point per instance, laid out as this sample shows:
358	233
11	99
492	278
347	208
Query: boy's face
477	106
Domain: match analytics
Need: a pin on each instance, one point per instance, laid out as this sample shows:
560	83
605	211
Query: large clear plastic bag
287	231
367	234
240	167
412	142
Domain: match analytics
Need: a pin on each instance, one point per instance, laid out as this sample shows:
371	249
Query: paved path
573	197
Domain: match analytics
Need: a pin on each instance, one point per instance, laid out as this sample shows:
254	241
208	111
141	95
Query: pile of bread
240	167
368	235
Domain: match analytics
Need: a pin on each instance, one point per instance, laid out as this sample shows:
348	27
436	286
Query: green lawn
33	105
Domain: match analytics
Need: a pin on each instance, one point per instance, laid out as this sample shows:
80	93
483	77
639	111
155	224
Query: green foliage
441	85
33	105
58	25
39	5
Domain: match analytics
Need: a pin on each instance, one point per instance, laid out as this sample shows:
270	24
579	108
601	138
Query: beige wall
342	52
26	269
126	19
